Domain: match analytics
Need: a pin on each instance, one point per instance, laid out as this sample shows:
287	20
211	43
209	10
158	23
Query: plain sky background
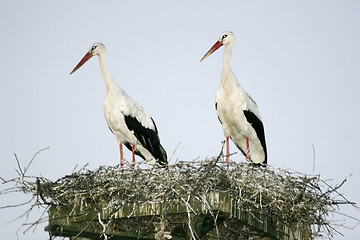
299	60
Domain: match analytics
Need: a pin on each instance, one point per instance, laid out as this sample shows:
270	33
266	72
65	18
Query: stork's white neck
227	54
228	79
109	81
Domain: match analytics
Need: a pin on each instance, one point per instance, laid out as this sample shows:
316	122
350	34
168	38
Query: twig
104	227
313	147
38	152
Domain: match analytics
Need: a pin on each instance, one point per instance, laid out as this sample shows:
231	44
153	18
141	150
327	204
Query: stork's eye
224	36
93	48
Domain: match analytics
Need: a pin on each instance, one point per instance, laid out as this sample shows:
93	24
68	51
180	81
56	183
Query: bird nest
284	196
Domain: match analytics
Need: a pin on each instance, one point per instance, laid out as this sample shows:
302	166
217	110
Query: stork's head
225	39
95	49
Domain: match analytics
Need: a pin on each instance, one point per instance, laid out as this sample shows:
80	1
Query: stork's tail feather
163	157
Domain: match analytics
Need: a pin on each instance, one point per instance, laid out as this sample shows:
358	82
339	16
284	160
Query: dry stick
103	225
189	218
38	152
313	146
212	165
85	228
175	150
334	189
21	173
33	225
17	205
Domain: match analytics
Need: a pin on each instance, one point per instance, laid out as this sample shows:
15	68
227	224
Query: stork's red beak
82	62
212	49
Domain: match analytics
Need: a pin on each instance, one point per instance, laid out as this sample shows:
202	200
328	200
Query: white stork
237	111
127	120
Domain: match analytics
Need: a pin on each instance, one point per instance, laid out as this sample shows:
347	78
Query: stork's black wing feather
258	126
148	138
218	115
110	129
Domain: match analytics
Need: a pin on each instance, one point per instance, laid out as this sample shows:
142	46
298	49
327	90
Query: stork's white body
128	121
231	101
116	106
237	111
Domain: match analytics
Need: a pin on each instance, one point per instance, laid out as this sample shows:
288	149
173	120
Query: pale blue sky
299	60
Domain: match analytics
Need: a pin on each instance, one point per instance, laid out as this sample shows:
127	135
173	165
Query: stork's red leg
248	157
227	151
133	155
121	156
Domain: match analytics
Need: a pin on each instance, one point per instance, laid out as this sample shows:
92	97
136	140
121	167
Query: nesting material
284	196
